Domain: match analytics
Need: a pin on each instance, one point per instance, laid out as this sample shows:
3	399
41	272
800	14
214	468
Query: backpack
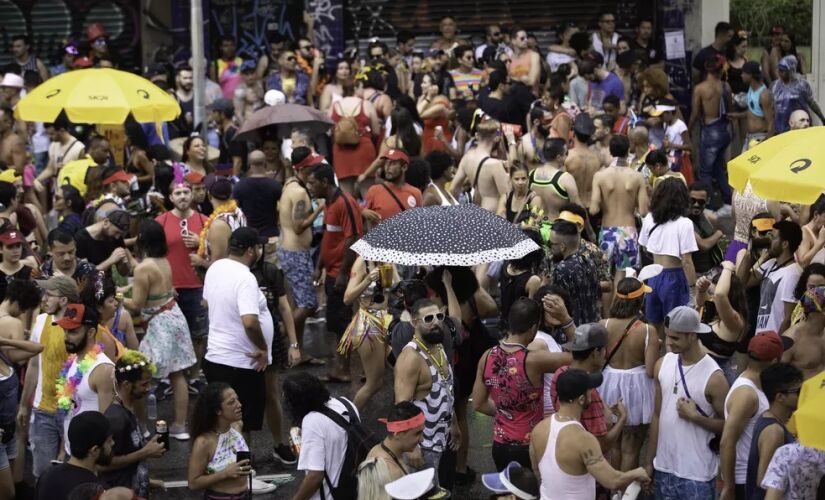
347	132
360	441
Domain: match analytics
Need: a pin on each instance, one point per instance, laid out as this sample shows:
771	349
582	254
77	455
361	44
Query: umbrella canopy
98	95
284	117
460	235
809	417
787	167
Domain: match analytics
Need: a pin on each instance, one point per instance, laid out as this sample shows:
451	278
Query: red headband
404	425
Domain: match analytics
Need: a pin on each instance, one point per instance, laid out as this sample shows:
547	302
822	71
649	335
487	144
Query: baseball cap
119	175
75	316
221	188
587	336
661	108
575	382
87	430
245	237
767	346
82	62
9	175
120	218
396	154
221	104
684	319
63	285
584	125
154	69
514	479
763	224
752	68
12	80
274	97
11	237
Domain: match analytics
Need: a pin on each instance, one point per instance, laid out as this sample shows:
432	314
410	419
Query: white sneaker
261	487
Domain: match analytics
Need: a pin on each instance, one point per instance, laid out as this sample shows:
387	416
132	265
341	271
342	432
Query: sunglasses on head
431	318
698	201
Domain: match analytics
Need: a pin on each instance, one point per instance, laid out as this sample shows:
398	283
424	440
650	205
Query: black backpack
360	441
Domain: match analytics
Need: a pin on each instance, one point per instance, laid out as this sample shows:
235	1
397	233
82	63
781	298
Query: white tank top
552	346
557	484
85	398
743	445
683	447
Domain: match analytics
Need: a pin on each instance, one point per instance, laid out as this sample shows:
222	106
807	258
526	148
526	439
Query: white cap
12	80
274	97
412	486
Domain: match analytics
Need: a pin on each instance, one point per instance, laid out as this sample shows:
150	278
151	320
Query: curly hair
670	200
813	269
303	393
205	415
657	79
25	292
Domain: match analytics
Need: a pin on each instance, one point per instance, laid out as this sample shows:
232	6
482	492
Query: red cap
310	161
396	154
11	237
82	62
767	346
120	175
73	317
194	177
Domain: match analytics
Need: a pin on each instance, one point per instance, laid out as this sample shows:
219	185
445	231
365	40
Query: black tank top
512	289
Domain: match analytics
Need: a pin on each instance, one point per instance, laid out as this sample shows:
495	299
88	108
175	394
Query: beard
434	335
543	132
72	348
105	458
557	257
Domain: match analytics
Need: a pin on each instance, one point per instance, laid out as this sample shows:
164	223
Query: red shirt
183	274
340	223
380	200
592	418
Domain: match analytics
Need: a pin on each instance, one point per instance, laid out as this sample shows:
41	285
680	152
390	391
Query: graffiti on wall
329	26
50	22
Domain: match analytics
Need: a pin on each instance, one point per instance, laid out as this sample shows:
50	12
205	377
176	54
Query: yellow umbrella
787	167
98	95
809	417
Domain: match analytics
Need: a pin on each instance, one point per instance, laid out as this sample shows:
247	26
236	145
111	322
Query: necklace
676	376
440	363
67	386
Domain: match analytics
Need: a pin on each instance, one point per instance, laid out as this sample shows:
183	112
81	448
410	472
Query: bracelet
567	325
294	345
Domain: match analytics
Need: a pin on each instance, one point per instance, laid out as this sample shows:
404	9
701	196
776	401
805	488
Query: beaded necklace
440	364
229	206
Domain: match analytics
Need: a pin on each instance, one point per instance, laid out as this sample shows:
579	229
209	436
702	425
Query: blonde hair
373	475
487	129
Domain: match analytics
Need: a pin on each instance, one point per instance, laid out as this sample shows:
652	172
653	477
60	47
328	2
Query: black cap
575	382
221	188
752	68
120	218
246	237
221	104
87	430
584	125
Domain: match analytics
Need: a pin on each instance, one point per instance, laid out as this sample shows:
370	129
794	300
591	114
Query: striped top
437	405
465	82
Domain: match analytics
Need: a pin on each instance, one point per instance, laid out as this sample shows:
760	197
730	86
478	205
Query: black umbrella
459	235
283	118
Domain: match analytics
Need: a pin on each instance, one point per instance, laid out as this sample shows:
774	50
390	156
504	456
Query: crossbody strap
478	171
400	205
619	343
684	386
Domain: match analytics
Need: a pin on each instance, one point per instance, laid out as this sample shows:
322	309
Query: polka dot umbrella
460	235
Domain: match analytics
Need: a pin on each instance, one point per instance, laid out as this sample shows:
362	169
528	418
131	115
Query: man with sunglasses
289	79
709	254
493	39
424	375
605	40
466	76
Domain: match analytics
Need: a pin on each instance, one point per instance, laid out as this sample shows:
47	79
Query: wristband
294	345
568	324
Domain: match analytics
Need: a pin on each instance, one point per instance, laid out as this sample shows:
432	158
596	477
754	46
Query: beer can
163	431
295	440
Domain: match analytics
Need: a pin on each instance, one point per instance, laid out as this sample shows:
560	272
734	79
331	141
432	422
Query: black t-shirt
230	148
59	480
95	251
496	108
127	439
651	54
703	56
258	198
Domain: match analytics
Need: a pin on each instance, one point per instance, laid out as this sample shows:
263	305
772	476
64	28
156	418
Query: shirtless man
808	351
582	163
296	217
12	146
553	185
711	102
618	192
759	115
487	175
601	139
639	147
421	363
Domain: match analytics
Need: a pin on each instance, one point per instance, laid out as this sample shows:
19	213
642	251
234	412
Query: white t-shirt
62	154
231	291
777	288
323	445
556	59
674	237
673	133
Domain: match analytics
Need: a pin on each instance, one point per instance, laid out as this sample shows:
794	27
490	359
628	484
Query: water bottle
152	407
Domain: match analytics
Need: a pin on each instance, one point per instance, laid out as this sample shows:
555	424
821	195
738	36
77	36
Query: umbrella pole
198	66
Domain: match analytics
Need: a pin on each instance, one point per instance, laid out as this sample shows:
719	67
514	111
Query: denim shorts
8	452
191	305
671	487
45	435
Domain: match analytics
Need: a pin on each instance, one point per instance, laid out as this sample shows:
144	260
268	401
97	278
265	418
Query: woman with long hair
114	318
276	167
352	160
442	171
521	277
403	136
13	266
194	157
167	341
140	163
785	46
372	85
213	464
813	235
724	306
517	205
69	205
434	109
333	90
369	285
668	235
633	348
812	276
654	83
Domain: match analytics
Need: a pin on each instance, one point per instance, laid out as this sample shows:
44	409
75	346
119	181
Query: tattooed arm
593	459
303	216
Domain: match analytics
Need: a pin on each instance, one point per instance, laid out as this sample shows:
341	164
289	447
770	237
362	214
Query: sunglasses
498	33
184	227
698	201
793	391
431	318
291	59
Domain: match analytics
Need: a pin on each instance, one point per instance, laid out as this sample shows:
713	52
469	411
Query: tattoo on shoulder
592	458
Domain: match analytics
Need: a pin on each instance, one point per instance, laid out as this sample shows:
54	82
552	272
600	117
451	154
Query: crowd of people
639	346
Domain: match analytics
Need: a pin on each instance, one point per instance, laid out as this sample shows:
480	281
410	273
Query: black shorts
249	385
339	314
